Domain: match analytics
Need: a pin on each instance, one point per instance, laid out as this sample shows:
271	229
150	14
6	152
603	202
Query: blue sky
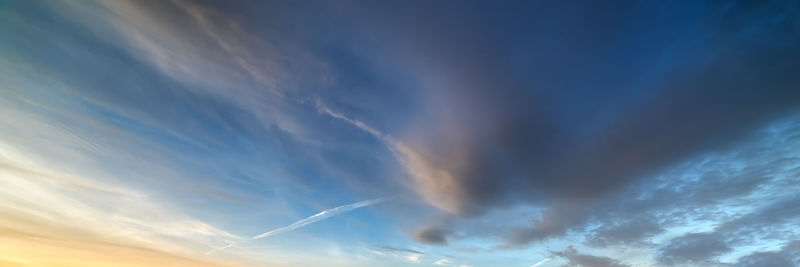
399	133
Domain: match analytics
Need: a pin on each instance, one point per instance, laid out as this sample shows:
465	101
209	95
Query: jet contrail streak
541	262
320	216
311	219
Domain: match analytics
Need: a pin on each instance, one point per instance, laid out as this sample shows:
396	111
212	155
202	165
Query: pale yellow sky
25	242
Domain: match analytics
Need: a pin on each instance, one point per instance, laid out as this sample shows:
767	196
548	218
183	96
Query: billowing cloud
497	133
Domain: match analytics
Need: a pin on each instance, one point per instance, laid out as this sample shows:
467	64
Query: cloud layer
499	133
515	134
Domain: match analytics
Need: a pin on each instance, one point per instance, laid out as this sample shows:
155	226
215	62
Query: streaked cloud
437	186
407	250
111	224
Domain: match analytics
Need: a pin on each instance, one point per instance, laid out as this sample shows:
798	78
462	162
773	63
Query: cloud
439	186
527	120
694	248
707	188
321	216
325	214
435	236
577	259
630	232
443	262
396	249
413	258
539	263
50	244
555	221
186	97
321	108
210	54
787	256
767	223
570	124
75	218
768	219
406	254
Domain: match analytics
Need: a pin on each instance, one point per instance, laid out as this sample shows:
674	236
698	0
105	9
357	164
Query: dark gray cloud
694	248
396	249
702	189
434	236
577	259
555	221
773	222
544	111
787	256
631	232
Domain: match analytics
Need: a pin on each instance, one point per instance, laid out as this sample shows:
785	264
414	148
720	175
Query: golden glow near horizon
53	219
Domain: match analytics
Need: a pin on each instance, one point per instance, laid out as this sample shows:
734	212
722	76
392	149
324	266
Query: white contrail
320	216
312	219
540	262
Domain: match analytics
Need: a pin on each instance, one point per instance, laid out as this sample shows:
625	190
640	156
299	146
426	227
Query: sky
399	133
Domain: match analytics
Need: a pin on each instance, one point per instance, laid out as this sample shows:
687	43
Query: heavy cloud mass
513	133
507	134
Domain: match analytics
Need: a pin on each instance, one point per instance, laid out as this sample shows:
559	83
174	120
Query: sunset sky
399	133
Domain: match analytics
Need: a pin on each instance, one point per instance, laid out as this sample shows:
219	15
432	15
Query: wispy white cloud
443	262
209	52
358	124
59	205
408	255
413	257
438	186
81	183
